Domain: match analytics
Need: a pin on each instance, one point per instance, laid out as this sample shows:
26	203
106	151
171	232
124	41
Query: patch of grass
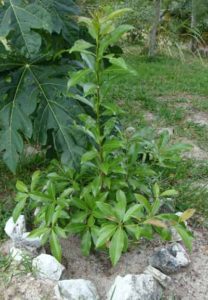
160	86
9	269
8	182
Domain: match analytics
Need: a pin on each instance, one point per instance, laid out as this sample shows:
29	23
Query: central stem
98	100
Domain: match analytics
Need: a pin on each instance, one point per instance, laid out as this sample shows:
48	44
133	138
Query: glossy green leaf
21	187
185	235
116	246
105	234
81	46
169	193
55	246
18	209
39	232
144	202
73	228
132	212
90	155
86	243
120	207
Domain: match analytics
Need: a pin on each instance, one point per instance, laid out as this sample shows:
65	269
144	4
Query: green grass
8	182
171	91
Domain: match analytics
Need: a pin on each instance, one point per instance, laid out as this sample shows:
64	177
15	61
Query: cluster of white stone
146	286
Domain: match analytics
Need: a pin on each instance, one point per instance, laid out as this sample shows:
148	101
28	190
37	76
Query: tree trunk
154	29
193	26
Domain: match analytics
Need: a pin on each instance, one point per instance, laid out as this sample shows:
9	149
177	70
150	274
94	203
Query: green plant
113	200
34	104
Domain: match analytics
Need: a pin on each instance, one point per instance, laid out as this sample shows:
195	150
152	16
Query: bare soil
200	118
190	284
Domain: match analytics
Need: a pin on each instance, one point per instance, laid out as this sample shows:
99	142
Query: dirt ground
190	284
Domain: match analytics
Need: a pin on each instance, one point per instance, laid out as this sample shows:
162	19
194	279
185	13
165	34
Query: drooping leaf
86	243
18	209
55	246
116	246
185	235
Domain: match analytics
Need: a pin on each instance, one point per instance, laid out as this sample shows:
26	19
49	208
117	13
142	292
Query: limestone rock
15	230
75	289
170	260
26	287
163	279
135	287
46	266
17	254
28	243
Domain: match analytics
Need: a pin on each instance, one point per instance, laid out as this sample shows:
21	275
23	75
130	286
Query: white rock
76	289
163	279
46	266
181	255
15	230
135	287
17	254
175	236
171	259
30	241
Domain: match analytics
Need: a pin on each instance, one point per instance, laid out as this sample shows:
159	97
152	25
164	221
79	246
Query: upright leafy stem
110	202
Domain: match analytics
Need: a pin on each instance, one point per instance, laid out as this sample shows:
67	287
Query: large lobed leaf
33	101
18	24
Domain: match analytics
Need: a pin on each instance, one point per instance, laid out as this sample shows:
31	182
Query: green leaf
116	246
60	232
49	213
118	13
39	197
144	202
105	234
81	46
21	187
90	155
156	207
120	207
106	210
21	20
78	78
113	37
156	190
185	235
147	232
39	88
86	243
39	231
134	230
132	212
35	179
55	246
18	209
111	145
75	228
169	193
